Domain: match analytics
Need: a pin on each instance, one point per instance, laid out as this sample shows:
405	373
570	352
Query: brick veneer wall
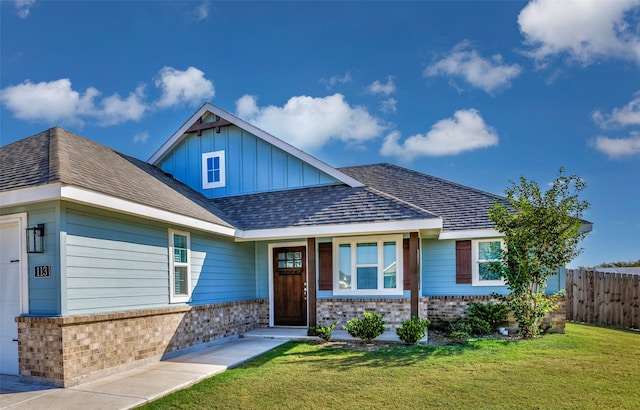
441	310
341	310
66	351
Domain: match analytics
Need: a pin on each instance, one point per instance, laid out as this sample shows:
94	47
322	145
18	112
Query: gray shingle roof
335	204
461	207
391	193
59	156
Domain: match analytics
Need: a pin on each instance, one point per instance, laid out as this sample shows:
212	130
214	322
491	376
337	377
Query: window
485	252
368	266
179	266
213	170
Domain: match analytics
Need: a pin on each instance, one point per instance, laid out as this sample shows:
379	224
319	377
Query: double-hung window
213	170
485	252
179	266
368	265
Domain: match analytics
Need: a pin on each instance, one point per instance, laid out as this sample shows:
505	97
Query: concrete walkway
154	380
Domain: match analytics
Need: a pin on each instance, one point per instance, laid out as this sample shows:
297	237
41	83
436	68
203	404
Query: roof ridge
55	153
443	180
401	201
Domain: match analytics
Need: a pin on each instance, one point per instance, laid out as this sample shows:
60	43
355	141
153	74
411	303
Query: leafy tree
541	234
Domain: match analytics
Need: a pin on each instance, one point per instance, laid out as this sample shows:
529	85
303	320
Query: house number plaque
42	271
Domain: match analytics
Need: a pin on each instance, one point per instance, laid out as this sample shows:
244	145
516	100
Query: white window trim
475	263
223	180
353	241
173	298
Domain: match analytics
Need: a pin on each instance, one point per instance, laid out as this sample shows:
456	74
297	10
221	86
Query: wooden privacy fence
606	299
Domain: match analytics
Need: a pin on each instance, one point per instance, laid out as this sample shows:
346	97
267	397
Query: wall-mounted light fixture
35	239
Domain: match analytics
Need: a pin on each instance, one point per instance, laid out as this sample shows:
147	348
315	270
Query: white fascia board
470	234
99	200
339	230
265	136
30	195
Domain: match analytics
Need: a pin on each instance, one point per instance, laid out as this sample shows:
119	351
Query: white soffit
470	234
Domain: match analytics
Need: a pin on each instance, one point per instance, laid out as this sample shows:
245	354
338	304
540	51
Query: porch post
414	272
311	281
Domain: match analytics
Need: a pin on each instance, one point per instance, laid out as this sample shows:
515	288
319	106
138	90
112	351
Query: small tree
542	232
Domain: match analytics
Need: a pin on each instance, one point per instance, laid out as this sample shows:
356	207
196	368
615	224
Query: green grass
588	367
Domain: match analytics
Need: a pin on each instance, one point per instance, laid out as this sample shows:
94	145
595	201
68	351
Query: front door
289	286
9	295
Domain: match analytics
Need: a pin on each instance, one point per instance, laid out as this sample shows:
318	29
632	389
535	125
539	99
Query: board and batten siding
252	165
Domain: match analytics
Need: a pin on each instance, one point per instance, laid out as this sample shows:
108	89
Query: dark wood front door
289	286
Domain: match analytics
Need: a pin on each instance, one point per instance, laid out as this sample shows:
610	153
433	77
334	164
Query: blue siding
252	165
114	263
262	270
439	272
221	270
44	293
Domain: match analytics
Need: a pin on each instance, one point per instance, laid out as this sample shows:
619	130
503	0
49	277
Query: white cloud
141	137
584	30
625	116
309	123
200	13
179	87
49	101
23	7
56	100
390	105
618	148
487	74
336	79
378	88
465	131
115	110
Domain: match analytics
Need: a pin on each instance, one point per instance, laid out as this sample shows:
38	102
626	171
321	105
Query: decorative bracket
200	126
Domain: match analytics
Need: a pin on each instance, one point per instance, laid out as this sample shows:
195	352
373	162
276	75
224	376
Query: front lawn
588	367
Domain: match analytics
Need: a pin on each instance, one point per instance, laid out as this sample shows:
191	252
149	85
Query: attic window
213	170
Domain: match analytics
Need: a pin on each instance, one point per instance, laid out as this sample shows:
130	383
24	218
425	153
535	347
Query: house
109	261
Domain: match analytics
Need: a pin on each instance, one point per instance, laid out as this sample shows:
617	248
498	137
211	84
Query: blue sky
479	93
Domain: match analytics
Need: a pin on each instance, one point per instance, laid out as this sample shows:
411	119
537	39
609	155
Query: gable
252	160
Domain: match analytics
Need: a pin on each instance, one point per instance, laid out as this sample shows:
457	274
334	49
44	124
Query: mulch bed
436	338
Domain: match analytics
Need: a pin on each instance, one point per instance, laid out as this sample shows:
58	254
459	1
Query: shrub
324	332
479	326
460	326
366	329
492	313
412	330
459	337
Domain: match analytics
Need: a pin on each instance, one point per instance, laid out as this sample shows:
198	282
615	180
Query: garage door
10	289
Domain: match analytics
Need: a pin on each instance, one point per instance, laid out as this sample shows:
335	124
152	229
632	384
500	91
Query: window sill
368	292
